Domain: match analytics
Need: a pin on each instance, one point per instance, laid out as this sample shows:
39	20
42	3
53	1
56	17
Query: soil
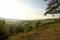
51	33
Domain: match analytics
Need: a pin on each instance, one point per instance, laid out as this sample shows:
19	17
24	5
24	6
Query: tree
3	33
53	7
2	24
19	29
12	31
27	27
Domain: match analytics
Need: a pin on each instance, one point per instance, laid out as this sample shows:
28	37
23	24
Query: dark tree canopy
53	7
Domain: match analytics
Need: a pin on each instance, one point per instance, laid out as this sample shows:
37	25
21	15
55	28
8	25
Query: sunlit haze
16	9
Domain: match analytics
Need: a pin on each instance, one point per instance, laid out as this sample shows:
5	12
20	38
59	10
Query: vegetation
25	29
53	7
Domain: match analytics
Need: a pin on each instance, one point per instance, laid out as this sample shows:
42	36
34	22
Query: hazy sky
23	9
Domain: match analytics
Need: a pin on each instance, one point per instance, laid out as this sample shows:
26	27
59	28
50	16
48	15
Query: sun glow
14	9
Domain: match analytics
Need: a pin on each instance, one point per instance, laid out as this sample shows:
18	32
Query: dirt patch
51	33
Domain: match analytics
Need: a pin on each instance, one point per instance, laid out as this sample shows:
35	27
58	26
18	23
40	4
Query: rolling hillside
51	33
47	32
48	29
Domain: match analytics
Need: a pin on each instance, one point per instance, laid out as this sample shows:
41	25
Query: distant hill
13	21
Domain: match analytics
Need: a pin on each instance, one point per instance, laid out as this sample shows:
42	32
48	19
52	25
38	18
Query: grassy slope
50	32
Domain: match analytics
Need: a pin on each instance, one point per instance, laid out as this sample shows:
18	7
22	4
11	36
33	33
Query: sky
23	9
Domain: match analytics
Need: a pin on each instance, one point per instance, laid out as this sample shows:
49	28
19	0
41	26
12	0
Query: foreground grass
30	34
35	33
51	33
